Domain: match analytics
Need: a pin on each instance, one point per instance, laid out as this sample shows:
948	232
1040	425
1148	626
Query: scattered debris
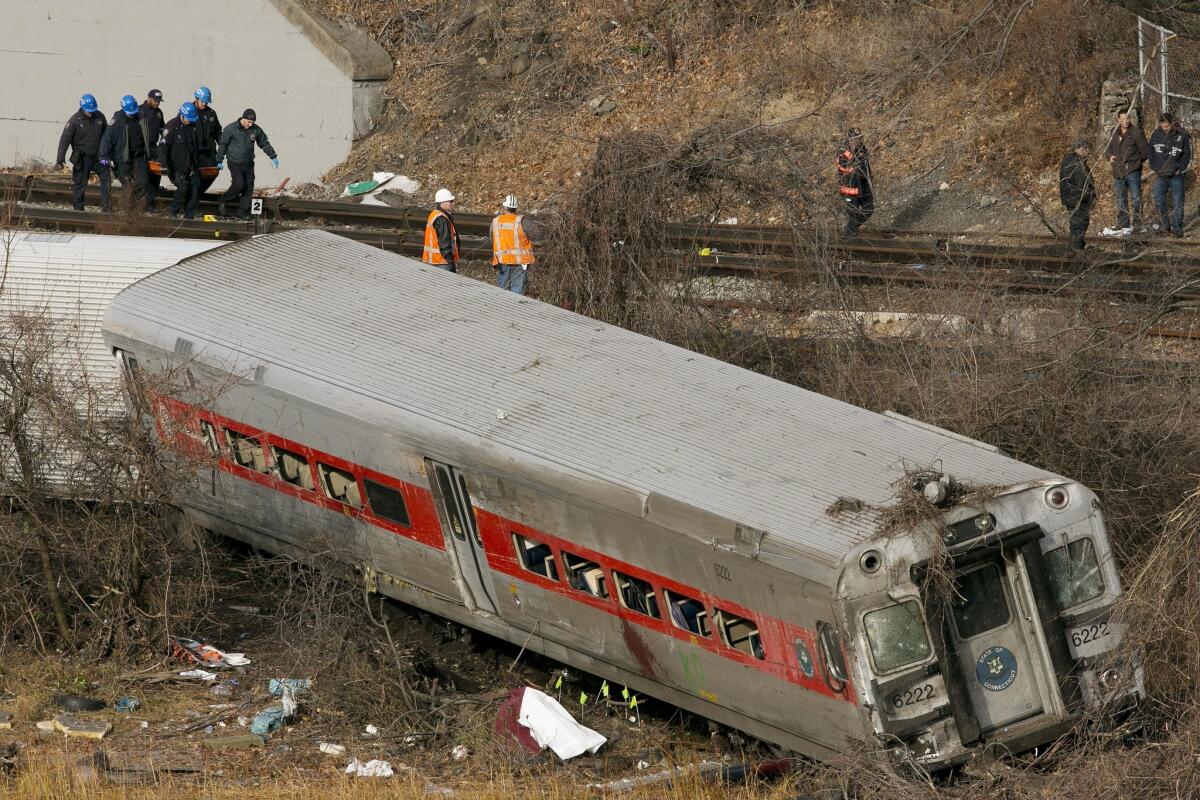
268	721
508	728
600	105
370	731
281	686
198	673
6	719
242	742
45	725
375	768
127	704
71	725
224	689
100	765
329	748
190	650
245	609
552	726
73	702
459	752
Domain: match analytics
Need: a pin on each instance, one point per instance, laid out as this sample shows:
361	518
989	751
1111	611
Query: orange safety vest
846	186
510	245
433	251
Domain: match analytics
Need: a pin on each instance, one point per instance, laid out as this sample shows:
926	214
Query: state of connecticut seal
996	668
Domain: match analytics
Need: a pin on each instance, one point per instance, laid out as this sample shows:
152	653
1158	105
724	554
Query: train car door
992	648
462	534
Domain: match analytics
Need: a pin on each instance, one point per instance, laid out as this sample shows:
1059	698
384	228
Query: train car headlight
1110	679
1058	498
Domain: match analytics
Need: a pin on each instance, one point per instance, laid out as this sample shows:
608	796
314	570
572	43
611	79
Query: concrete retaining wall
315	86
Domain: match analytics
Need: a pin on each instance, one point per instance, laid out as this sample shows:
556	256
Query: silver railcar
695	531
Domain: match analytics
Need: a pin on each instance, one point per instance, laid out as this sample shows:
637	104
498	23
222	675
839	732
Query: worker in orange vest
855	181
441	237
512	252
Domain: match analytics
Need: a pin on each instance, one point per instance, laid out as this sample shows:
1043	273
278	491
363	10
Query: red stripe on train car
180	423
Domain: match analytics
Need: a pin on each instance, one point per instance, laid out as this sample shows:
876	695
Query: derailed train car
698	532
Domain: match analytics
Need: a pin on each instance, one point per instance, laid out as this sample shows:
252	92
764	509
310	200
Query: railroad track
1129	270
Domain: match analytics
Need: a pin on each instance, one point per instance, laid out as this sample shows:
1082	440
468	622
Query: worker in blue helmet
179	155
208	131
82	134
125	148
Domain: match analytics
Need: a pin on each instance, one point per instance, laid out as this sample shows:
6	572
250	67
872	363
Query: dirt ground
467	674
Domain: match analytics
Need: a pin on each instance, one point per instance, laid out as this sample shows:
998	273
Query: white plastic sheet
375	768
552	726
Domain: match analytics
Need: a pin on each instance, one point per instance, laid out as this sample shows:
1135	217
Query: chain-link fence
1169	66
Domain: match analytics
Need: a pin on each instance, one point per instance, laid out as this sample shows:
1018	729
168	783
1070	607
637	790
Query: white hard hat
510	201
443	196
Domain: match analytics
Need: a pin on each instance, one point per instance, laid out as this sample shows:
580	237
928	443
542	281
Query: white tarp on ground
552	726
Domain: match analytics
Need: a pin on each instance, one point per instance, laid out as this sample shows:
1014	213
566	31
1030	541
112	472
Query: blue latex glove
104	162
220	165
275	163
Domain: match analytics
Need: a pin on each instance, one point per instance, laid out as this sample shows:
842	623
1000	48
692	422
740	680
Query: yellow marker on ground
210	218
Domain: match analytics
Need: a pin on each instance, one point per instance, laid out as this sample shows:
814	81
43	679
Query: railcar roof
598	400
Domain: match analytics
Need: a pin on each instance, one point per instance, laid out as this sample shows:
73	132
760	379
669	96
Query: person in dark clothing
854	181
179	154
1170	157
125	149
82	134
1127	149
237	142
153	115
208	133
1077	190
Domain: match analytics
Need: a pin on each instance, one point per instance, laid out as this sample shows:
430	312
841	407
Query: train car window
686	613
386	502
293	468
740	634
584	575
830	644
636	594
979	603
897	636
536	556
209	432
1075	575
340	485
247	450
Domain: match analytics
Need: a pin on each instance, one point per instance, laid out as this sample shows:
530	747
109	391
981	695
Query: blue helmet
88	103
129	105
188	111
203	95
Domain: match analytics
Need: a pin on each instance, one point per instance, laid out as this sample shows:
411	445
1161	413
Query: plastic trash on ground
268	721
552	726
206	654
329	748
1116	232
198	673
375	768
277	686
127	704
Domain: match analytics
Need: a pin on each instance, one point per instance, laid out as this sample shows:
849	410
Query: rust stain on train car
640	651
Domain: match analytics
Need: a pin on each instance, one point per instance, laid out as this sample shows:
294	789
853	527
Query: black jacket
83	134
1170	153
238	143
178	151
854	172
154	125
208	132
1075	185
1127	152
447	234
116	144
